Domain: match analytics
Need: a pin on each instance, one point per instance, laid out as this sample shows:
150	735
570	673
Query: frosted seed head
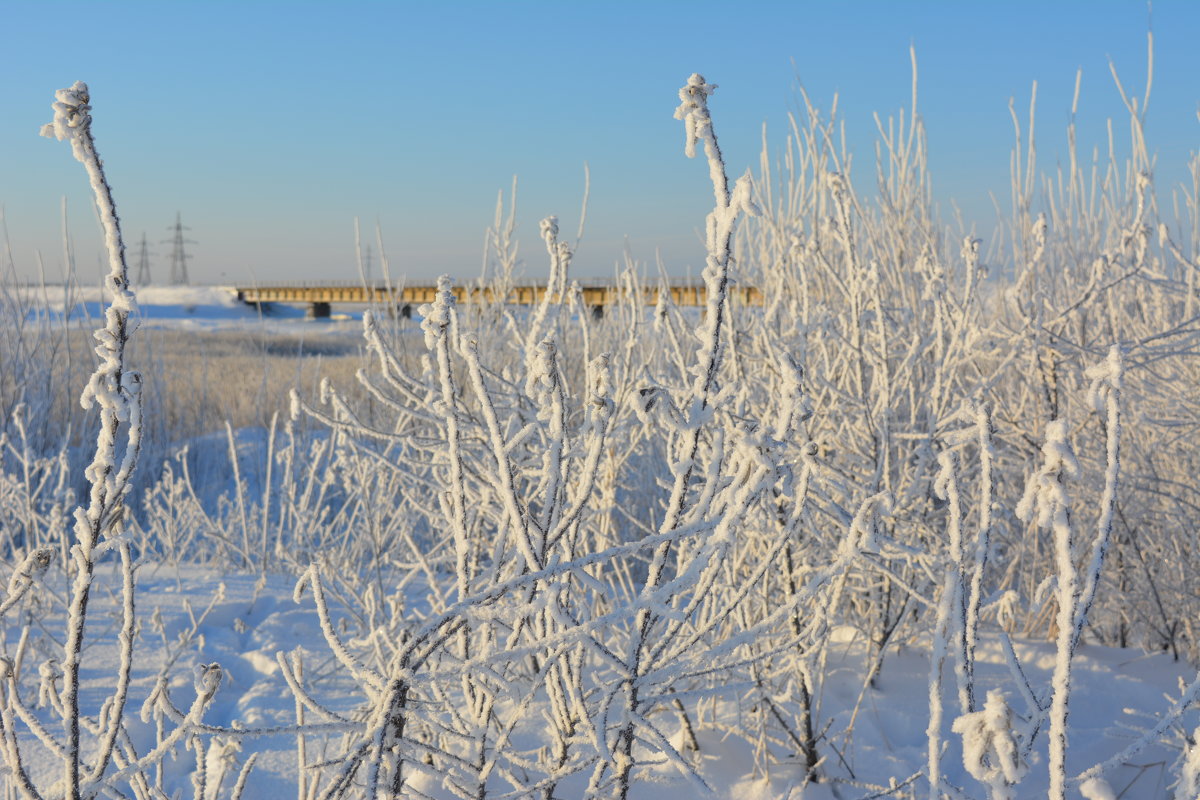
548	229
34	565
302	584
947	465
837	184
660	309
436	316
693	111
743	198
693	96
864	528
970	249
543	373
49	673
1105	379
71	115
294	404
206	678
647	399
1040	228
601	370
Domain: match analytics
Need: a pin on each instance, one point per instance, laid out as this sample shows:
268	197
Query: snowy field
247	623
922	525
184	307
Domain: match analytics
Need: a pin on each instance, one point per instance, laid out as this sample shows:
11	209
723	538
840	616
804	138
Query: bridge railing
594	294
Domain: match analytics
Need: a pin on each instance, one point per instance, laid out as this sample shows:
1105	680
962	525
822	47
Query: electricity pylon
179	256
143	263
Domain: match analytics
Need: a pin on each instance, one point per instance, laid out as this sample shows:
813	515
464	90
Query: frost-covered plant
889	498
1188	785
116	390
95	753
1046	501
536	602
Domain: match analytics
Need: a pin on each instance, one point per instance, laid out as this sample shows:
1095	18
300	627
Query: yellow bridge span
320	297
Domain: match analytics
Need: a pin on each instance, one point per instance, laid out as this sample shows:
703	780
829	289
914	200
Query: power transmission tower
143	264
179	256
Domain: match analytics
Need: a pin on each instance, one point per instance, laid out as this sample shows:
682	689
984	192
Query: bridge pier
318	310
400	311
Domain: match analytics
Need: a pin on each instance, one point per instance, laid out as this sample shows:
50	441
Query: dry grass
199	381
195	380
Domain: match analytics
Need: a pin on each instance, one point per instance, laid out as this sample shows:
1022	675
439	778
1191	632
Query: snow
181	307
247	623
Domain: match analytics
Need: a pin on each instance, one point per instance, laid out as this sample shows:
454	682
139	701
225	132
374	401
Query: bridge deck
595	296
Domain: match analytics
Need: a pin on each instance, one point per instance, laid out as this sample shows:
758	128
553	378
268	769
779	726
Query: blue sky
271	126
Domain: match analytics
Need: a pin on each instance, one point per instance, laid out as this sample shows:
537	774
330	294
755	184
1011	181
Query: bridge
320	297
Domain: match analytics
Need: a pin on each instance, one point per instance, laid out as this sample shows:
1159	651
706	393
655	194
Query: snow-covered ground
186	307
246	623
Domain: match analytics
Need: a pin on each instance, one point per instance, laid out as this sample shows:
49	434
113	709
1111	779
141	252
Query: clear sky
271	126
